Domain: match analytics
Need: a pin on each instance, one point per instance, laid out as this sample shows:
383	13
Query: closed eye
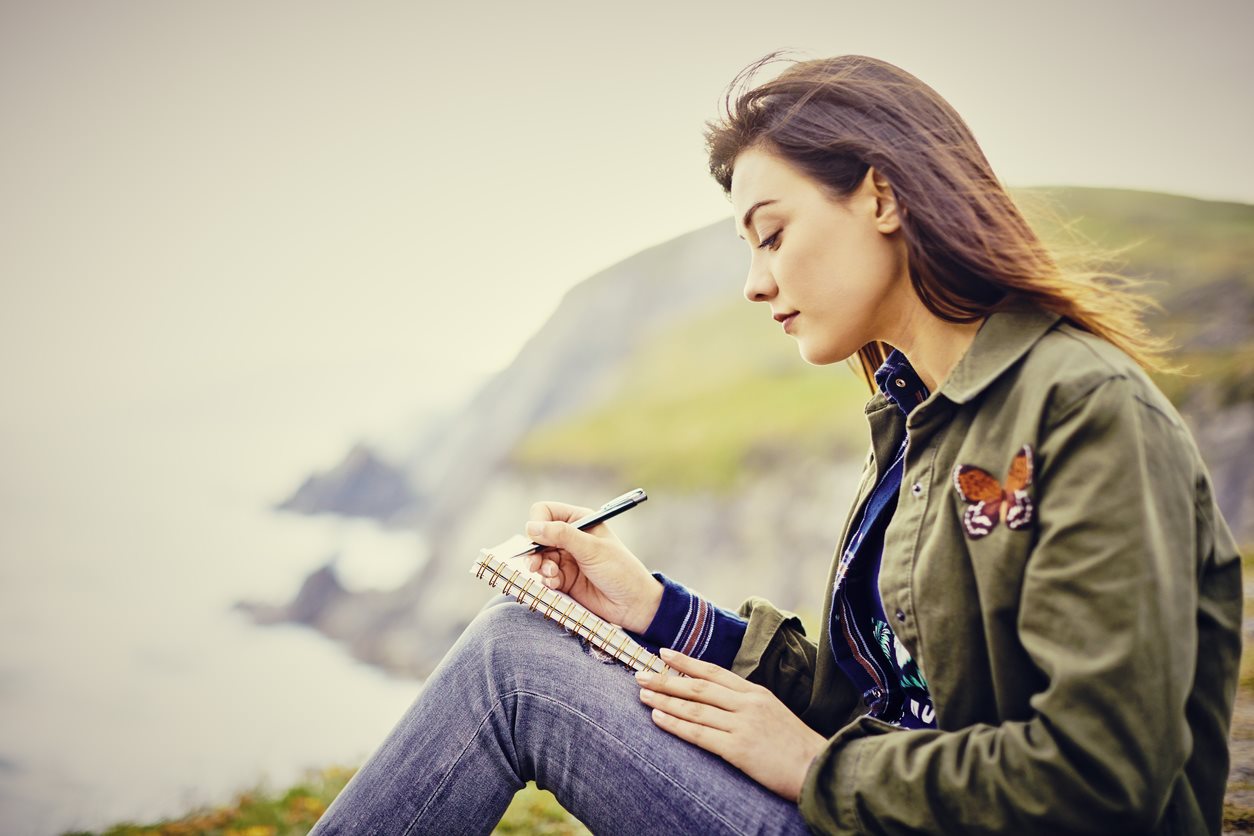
769	242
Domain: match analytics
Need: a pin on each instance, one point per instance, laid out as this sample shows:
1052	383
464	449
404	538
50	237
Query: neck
932	345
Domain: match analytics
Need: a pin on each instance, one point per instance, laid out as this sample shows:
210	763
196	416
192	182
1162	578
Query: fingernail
534	529
667	653
644	676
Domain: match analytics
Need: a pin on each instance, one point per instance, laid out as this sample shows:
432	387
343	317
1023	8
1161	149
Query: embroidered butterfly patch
990	502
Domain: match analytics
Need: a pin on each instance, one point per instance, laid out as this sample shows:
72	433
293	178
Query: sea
130	689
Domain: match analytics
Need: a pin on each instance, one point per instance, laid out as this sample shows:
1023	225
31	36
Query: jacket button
917	489
901	615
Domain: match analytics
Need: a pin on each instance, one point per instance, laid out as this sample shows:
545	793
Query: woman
1032	622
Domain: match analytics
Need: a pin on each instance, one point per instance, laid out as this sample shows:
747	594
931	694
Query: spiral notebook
506	565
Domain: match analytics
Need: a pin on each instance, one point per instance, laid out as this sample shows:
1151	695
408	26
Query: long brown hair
970	250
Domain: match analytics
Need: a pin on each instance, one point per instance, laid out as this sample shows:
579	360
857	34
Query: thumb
560	535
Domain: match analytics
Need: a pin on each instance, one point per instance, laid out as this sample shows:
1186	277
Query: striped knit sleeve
692	625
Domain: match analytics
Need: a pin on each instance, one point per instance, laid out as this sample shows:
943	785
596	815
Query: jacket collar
1005	336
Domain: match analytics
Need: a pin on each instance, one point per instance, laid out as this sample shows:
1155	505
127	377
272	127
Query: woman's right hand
592	566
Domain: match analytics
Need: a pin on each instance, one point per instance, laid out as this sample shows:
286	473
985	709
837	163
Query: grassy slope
704	399
293	812
699	401
1198	259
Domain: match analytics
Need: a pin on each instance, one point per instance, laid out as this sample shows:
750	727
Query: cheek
869	273
846	295
827	282
851	280
811	274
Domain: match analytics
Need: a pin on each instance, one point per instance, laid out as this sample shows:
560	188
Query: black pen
610	509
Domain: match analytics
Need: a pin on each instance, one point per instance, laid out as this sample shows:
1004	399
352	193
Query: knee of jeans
507	633
504	618
517	646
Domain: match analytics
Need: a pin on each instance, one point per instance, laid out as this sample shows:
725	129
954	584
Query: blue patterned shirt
892	686
863	643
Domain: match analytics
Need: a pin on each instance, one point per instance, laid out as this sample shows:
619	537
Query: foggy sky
203	202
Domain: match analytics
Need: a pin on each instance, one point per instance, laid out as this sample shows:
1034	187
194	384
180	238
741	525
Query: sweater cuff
688	623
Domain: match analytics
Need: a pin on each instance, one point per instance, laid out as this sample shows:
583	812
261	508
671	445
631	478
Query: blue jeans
516	699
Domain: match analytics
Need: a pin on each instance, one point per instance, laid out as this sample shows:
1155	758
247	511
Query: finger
545	565
560	535
694	712
704	670
710	739
551	572
557	511
691	689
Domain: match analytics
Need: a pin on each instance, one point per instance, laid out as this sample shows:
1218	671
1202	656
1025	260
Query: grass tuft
293	812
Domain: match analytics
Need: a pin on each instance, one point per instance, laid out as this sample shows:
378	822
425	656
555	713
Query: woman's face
833	273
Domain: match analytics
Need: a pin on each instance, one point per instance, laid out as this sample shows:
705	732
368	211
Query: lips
786	319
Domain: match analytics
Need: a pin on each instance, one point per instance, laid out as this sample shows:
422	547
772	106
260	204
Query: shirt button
917	489
901	383
901	615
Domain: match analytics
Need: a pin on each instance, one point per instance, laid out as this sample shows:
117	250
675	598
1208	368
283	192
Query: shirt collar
899	382
1005	336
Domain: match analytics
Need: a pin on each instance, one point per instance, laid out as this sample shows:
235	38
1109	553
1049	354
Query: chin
823	355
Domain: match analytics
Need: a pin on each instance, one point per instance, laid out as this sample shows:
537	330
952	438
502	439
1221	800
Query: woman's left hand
741	722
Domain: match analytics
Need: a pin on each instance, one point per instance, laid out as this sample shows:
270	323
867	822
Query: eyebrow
749	215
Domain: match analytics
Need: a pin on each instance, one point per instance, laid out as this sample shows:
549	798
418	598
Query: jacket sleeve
1107	613
776	654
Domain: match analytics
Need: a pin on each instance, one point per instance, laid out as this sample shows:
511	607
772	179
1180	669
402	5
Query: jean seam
639	756
453	768
626	746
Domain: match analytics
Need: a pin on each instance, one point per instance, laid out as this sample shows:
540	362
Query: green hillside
1198	256
703	402
709	400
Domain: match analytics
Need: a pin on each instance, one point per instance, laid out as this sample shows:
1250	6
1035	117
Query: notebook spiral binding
555	606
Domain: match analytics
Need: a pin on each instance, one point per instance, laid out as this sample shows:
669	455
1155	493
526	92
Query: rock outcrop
363	485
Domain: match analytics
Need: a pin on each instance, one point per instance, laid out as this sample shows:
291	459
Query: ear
887	210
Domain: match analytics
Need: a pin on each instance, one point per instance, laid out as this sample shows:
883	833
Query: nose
759	284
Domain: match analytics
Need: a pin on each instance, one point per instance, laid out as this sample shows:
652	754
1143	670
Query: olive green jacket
1083	666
